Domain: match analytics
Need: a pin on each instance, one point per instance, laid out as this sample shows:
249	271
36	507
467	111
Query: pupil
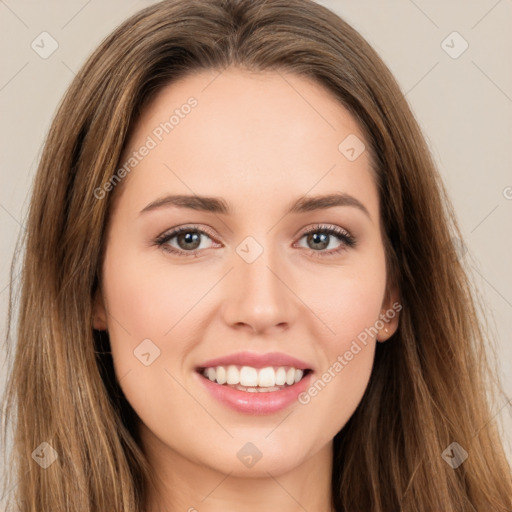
320	238
190	238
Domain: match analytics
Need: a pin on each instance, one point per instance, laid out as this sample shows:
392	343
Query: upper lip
256	360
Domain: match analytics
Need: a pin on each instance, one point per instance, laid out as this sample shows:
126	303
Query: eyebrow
218	205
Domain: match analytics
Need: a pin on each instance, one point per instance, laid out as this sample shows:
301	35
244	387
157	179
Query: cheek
147	321
349	303
148	300
348	300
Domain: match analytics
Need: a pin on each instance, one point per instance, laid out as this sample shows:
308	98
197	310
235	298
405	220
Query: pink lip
256	361
256	403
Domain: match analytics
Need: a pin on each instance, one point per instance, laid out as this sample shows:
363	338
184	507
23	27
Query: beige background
464	105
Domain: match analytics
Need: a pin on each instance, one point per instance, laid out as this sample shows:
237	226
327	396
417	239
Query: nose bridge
258	295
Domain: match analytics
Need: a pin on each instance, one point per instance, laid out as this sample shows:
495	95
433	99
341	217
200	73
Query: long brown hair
432	382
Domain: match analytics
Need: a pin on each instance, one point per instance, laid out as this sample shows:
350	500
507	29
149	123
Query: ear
388	318
99	321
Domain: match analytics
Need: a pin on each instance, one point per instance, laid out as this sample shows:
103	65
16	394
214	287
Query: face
260	277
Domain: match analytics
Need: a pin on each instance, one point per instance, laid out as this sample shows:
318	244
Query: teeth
248	376
280	376
232	375
252	379
266	378
220	372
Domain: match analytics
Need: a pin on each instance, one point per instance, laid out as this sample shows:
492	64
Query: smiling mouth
254	380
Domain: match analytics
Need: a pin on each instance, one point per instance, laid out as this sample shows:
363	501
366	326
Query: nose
258	296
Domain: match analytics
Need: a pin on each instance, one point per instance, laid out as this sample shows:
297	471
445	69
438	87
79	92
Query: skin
260	141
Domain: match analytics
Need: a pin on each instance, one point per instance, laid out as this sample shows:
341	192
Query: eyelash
348	241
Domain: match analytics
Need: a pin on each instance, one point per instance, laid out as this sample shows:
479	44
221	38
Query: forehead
248	136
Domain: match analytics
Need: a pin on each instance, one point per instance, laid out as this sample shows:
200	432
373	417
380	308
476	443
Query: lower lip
256	402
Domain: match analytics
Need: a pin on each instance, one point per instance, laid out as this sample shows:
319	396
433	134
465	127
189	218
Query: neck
184	485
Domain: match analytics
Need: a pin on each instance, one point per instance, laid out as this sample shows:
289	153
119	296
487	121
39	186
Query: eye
188	240
320	237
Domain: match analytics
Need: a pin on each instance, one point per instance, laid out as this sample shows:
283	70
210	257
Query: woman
240	288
